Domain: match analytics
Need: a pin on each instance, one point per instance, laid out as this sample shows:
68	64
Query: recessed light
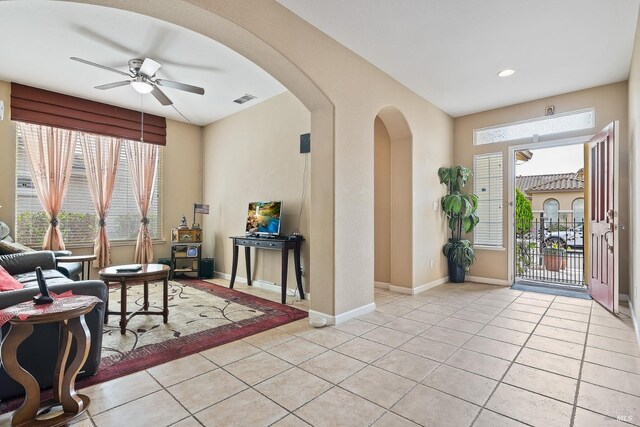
506	73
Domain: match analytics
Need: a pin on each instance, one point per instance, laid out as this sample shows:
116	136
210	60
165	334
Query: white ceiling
40	36
449	51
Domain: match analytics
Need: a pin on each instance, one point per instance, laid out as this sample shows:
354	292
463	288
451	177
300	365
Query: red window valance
33	105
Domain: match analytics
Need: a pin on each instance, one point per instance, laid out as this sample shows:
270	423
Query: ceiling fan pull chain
141	120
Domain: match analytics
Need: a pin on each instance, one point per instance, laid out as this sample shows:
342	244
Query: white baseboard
262	284
410	291
433	284
488	280
623	297
343	317
381	285
635	322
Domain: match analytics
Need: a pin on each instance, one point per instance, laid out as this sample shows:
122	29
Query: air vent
244	99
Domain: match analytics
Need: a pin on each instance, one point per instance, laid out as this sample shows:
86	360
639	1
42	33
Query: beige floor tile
609	402
514	324
491	302
539	296
549	362
355	327
392	420
418	405
613	360
425	317
211	388
625	382
229	353
533	301
563	348
268	339
491	419
474	316
503	334
571	307
364	350
442	310
86	422
298	328
121	390
394	309
446	335
586	418
478	363
612	322
257	368
612	344
486	309
178	370
542	382
461	325
378	386
520	315
328	337
290	421
569	315
408	326
248	408
431	349
293	388
377	318
465	385
620	334
332	366
386	336
560	334
527	308
408	365
329	410
557	322
529	408
157	409
297	350
491	347
574	301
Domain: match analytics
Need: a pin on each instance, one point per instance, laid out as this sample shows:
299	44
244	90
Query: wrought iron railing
550	251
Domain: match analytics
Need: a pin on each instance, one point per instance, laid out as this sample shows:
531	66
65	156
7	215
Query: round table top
63	307
145	270
76	258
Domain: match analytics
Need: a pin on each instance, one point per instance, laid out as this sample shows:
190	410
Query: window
559	123
578	210
78	220
487	184
551	207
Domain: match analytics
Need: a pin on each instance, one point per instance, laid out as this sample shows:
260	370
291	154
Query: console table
271	243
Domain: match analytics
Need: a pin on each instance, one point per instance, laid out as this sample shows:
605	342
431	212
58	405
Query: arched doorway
393	201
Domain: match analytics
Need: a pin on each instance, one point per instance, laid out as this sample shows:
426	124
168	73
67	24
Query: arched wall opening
393	200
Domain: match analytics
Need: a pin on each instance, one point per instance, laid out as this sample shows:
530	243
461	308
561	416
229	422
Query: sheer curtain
143	162
101	162
50	153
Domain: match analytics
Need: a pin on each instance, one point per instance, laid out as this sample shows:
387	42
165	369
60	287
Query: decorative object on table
460	210
201	209
183	223
44	297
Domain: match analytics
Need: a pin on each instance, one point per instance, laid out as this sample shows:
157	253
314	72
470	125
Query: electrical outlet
431	263
436	206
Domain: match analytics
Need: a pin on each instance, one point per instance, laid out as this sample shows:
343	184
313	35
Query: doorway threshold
551	289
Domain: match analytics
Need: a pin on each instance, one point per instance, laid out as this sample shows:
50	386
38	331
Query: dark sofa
38	353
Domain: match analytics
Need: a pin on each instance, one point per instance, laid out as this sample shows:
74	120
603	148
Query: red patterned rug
201	316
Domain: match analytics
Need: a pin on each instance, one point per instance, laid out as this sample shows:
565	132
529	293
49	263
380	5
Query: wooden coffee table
148	273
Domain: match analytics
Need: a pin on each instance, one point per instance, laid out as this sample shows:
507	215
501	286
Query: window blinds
487	172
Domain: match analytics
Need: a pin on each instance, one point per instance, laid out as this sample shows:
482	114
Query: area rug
201	316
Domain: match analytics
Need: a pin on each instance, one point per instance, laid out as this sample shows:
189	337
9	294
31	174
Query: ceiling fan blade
84	61
149	67
160	96
112	85
180	86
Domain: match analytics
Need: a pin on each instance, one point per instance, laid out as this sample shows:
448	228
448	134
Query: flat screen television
263	218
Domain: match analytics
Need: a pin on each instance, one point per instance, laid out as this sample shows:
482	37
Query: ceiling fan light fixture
506	72
141	86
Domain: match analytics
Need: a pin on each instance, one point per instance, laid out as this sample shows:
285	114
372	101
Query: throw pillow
7	282
8	248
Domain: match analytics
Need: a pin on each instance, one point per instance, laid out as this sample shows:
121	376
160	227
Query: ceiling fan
142	77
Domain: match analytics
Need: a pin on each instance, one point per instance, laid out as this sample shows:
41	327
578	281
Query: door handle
606	239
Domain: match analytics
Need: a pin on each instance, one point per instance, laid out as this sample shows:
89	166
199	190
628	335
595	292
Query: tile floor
456	355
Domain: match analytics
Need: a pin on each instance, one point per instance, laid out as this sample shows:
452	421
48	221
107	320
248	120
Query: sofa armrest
61	253
87	287
28	261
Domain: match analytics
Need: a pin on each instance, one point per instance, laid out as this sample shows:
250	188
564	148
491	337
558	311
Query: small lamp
201	209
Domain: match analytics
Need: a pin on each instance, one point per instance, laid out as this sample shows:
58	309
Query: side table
84	259
69	312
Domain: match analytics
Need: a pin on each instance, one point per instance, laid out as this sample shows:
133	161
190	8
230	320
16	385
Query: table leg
165	300
247	258
234	265
71	402
145	305
123	307
285	267
106	305
29	409
296	260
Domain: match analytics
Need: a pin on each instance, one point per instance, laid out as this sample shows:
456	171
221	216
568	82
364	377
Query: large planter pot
456	273
553	262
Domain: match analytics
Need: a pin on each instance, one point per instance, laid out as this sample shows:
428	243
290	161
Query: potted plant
460	210
554	257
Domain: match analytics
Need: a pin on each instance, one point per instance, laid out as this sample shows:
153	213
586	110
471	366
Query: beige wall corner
7	160
634	178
